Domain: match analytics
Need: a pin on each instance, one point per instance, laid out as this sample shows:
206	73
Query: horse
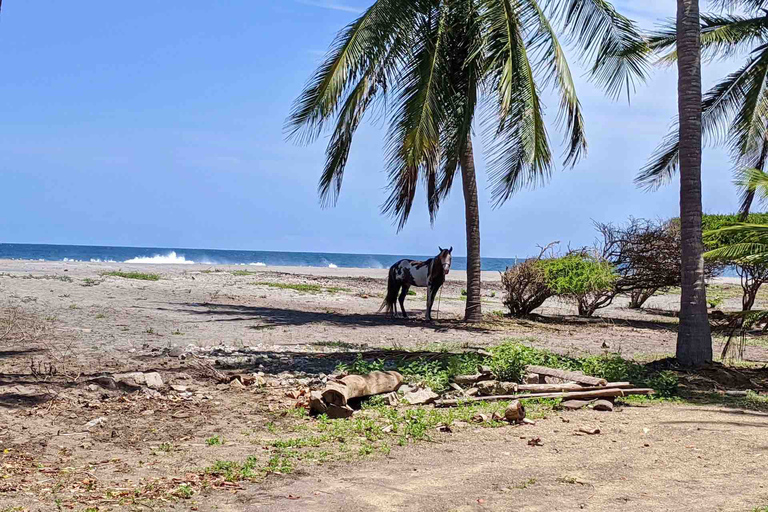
406	273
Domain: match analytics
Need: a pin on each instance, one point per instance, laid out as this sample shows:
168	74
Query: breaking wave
170	258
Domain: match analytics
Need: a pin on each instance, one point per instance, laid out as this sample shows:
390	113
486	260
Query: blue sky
160	124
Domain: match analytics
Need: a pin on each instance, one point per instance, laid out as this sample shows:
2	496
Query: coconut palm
428	65
688	36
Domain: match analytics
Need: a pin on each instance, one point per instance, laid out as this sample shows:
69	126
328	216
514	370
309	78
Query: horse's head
445	259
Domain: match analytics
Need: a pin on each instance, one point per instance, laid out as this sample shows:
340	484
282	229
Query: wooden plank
588	395
567	375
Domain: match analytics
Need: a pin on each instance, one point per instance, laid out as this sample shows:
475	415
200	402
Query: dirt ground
146	445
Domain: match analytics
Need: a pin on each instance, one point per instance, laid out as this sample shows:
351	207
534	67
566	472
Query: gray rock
572	405
97	422
420	396
603	405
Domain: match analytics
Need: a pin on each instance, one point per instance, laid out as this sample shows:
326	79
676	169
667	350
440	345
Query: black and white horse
406	273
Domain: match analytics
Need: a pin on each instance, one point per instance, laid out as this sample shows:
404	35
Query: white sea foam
169	258
258	264
333	266
97	260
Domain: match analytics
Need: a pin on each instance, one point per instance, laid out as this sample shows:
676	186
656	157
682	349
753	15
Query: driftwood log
339	392
494	387
566	375
602	393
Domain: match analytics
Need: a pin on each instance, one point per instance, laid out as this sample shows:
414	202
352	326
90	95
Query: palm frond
354	47
743	252
719	107
722	36
552	65
414	137
517	142
611	42
749	123
750	6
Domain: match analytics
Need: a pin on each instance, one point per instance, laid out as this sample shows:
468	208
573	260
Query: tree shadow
279	317
7	354
577	321
19	400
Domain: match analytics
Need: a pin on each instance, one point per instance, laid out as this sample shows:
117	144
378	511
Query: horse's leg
394	302
403	294
430	299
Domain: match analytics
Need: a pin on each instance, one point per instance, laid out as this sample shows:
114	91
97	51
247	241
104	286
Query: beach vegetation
428	66
743	247
302	287
142	276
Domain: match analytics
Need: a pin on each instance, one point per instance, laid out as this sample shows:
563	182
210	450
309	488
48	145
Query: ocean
170	255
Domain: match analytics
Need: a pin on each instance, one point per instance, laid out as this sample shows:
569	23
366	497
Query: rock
259	381
531	378
589	431
494	387
420	396
479	418
180	389
465	380
137	379
472	392
236	385
572	405
603	405
392	398
105	382
93	387
176	352
154	380
496	416
101	420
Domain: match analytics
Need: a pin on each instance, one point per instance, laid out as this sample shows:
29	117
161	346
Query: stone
420	396
180	389
603	405
573	405
176	352
101	420
236	385
153	380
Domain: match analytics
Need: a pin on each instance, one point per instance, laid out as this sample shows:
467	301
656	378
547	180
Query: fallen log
602	393
356	386
567	375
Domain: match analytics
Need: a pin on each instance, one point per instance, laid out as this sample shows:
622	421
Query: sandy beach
293	326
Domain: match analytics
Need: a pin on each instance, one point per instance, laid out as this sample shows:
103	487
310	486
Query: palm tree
428	65
683	149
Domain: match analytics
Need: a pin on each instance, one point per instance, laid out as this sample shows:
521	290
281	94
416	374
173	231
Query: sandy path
679	464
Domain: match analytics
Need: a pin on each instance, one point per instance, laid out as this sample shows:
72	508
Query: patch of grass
463	292
525	484
90	282
305	288
133	275
165	447
177	332
341	345
73	306
100	316
150	330
411	293
184	491
214	441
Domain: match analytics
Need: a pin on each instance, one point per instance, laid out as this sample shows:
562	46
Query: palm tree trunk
473	312
694	340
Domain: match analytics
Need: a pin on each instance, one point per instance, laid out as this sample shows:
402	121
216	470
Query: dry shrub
525	285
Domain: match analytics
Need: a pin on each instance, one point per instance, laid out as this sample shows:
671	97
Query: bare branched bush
18	326
646	256
525	285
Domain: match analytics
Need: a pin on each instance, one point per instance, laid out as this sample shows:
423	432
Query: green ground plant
133	275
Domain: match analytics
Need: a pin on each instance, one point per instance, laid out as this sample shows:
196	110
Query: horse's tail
390	301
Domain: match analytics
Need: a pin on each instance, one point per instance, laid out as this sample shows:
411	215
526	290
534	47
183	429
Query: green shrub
509	360
583	278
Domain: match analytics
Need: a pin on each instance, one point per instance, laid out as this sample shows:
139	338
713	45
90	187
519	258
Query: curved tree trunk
473	312
694	341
